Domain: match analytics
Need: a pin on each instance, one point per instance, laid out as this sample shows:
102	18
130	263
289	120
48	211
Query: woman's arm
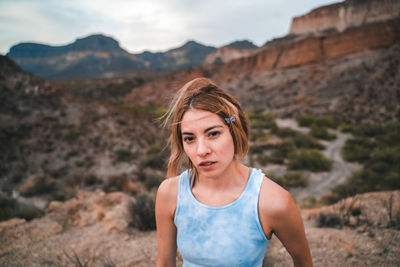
166	231
281	216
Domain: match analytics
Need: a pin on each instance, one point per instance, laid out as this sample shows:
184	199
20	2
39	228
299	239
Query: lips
206	163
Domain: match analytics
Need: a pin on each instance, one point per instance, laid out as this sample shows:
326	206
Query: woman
219	212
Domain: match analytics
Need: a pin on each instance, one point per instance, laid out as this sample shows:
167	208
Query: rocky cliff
230	52
347	14
301	74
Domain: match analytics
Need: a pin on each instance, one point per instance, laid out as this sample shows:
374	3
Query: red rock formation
275	56
345	15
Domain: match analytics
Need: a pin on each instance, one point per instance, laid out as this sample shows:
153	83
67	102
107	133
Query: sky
151	25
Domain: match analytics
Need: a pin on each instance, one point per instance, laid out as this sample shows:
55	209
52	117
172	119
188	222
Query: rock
377	209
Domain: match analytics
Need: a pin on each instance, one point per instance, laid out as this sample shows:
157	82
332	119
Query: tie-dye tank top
229	235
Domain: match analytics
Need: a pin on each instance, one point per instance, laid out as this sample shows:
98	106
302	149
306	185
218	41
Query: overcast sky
155	25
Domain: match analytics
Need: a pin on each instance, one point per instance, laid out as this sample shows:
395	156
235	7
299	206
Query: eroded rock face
344	15
377	209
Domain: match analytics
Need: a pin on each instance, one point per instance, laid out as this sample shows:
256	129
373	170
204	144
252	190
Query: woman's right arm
166	231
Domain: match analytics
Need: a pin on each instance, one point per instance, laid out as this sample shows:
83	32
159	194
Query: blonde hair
202	94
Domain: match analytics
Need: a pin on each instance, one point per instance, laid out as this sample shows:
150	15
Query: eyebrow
206	130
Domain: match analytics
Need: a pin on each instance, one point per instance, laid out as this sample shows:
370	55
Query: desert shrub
346	127
367	130
299	140
10	208
306	141
377	147
292	179
91	179
328	220
41	185
358	149
155	158
378	177
277	156
115	183
74	180
28	212
70	135
258	120
62	194
123	155
308	202
153	181
254	149
7	207
321	132
143	213
327	121
309	159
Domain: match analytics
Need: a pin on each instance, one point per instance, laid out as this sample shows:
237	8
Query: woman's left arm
283	218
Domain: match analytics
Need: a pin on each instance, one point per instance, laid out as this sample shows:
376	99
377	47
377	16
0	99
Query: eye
188	139
214	133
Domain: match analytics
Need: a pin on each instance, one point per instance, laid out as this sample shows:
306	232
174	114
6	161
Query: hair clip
230	120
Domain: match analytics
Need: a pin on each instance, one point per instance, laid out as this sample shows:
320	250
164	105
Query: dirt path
321	183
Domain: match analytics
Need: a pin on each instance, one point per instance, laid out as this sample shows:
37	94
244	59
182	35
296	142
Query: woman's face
207	142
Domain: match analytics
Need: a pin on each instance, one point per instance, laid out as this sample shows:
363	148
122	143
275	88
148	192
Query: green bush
326	121
123	155
321	132
153	181
358	149
254	149
115	183
143	213
292	179
309	159
156	158
259	120
377	147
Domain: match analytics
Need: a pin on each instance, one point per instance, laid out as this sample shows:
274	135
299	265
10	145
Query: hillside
53	144
338	73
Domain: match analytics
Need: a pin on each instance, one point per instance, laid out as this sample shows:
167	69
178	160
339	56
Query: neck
232	176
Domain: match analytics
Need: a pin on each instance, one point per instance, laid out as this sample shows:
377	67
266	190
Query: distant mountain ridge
101	56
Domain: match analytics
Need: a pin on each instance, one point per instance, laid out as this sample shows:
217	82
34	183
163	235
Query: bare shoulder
167	194
274	200
168	188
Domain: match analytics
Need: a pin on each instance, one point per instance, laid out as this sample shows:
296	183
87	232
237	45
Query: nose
203	147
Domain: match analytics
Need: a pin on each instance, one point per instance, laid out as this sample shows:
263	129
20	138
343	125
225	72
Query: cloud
148	24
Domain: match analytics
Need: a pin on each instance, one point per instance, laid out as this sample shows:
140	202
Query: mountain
188	55
90	56
231	51
352	73
101	56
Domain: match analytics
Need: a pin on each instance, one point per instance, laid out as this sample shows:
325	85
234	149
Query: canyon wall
345	15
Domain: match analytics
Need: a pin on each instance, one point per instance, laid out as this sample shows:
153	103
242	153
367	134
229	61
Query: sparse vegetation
321	132
292	179
142	210
123	155
309	159
377	147
115	183
326	121
156	158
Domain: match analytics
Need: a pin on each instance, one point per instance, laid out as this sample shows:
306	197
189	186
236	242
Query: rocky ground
96	229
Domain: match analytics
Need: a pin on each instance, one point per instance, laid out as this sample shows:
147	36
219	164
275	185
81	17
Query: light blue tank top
229	235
